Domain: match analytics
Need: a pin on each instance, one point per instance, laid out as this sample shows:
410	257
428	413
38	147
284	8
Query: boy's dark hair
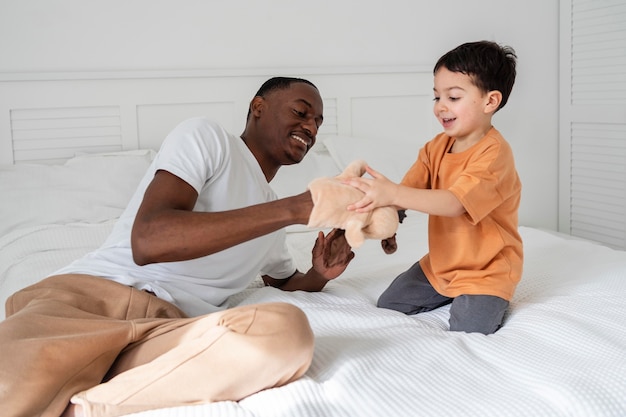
279	83
491	66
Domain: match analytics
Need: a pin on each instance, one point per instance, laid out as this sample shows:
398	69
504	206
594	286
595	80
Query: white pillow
88	188
294	179
392	158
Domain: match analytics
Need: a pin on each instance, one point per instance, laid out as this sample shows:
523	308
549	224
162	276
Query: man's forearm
178	235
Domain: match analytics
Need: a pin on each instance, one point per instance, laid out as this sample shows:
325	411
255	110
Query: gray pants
411	293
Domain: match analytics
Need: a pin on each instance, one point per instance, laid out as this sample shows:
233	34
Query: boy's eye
436	99
453	98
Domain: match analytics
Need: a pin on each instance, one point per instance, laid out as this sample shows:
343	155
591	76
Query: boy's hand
379	191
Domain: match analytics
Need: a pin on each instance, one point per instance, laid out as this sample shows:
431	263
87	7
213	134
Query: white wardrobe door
592	166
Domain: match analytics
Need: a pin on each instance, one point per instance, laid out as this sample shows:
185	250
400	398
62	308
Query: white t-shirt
226	176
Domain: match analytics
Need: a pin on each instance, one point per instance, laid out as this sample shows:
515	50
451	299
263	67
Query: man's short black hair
279	83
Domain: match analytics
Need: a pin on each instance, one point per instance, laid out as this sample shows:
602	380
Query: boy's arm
380	191
435	202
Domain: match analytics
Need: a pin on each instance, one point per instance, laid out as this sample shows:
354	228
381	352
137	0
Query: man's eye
299	113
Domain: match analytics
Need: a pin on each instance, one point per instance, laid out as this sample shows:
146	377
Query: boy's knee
472	326
384	301
477	313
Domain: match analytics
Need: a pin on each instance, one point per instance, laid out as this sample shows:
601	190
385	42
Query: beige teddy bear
331	198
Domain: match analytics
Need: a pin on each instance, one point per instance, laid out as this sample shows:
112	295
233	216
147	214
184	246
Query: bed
561	352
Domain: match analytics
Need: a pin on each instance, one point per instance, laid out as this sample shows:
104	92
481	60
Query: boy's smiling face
463	110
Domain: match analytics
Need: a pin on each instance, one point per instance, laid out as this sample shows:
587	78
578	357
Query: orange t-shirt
479	252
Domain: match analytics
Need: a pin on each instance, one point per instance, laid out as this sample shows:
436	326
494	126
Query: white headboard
50	117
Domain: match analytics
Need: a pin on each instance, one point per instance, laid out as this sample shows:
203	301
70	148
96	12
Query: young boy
465	179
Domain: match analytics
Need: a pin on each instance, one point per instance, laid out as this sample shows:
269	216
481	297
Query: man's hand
331	254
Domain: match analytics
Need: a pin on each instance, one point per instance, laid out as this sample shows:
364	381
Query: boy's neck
463	144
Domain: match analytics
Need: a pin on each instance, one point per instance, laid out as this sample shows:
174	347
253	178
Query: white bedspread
561	352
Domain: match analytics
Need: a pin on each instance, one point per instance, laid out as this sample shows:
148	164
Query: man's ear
257	105
494	98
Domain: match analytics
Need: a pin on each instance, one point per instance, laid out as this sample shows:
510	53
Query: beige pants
116	350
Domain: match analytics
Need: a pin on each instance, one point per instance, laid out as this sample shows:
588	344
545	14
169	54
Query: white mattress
561	352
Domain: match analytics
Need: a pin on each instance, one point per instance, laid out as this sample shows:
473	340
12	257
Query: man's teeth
299	139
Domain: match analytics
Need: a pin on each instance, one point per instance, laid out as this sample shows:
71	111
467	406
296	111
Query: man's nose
310	127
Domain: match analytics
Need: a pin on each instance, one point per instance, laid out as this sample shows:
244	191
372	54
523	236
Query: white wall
111	35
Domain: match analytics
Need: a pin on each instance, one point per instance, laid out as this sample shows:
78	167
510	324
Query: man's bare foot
73	410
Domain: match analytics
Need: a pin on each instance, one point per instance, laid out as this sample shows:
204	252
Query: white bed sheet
562	351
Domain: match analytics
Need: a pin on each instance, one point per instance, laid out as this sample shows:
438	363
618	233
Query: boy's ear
494	98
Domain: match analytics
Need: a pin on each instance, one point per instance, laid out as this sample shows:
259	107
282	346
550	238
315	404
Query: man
202	225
